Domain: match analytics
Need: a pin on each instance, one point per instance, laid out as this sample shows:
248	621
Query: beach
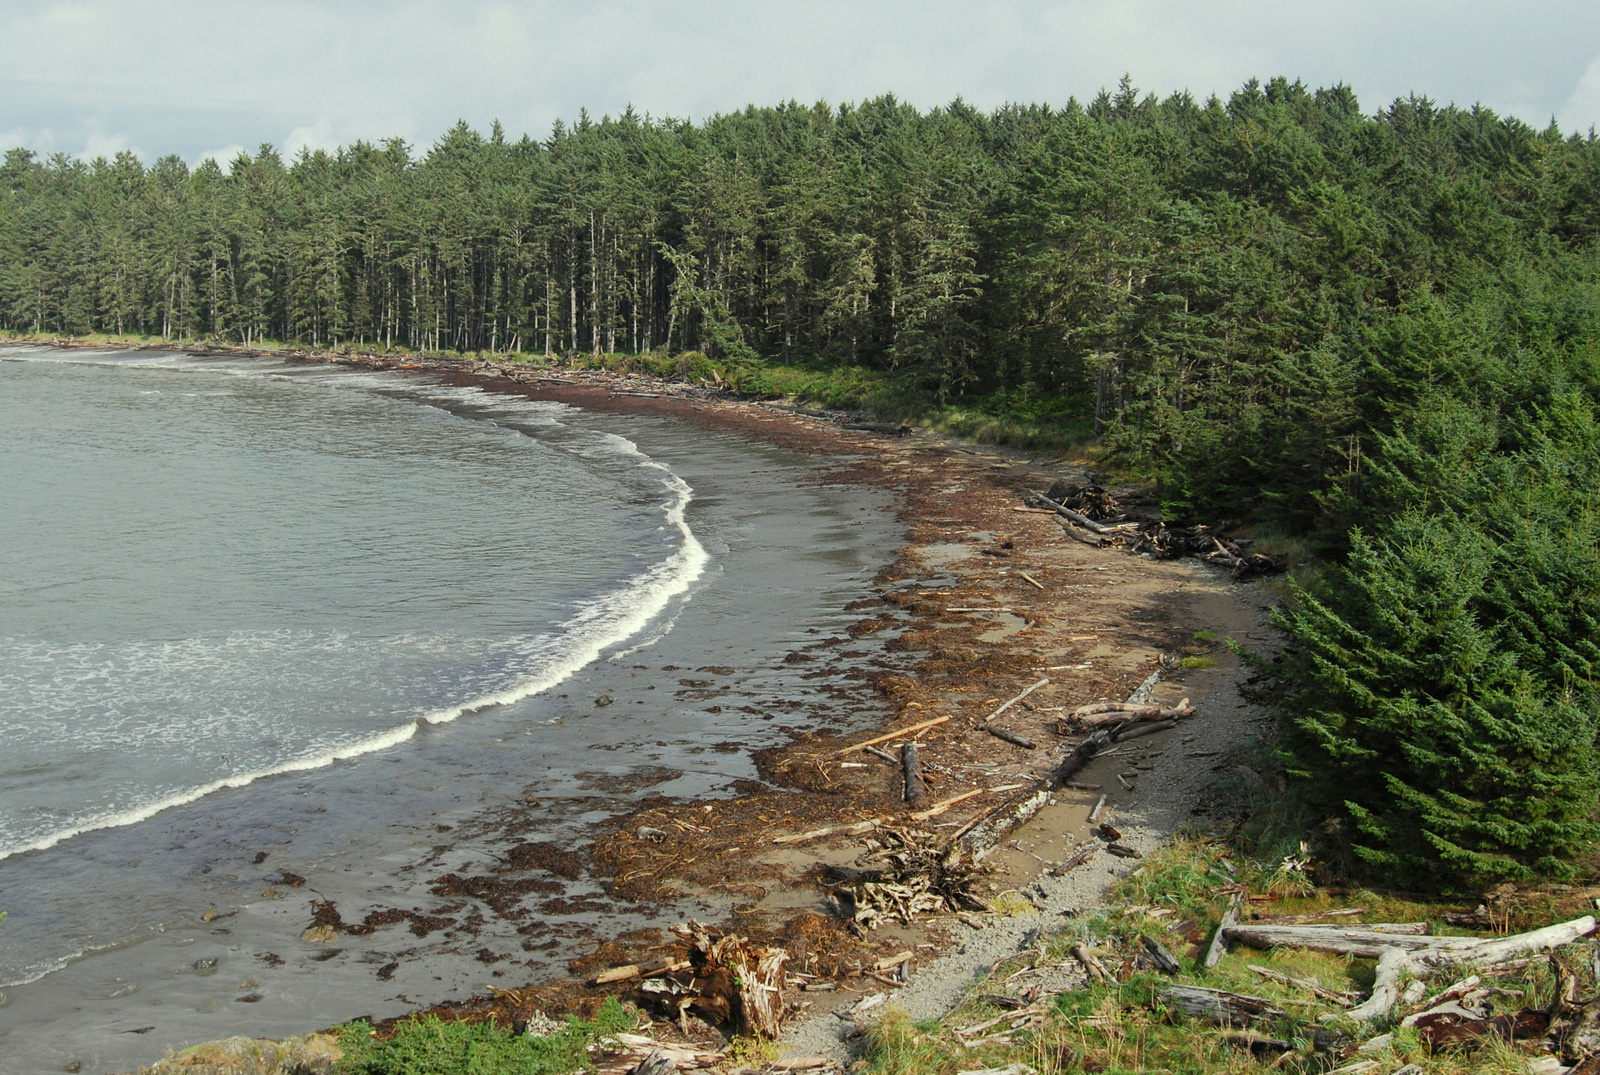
865	581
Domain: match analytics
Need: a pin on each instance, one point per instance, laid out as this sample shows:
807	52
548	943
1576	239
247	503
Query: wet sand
954	608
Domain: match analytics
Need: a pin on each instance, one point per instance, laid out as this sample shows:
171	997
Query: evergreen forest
1375	332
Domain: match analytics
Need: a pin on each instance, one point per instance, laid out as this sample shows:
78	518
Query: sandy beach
944	598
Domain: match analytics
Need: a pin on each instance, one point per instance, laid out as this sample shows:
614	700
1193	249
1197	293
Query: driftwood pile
1456	1015
1093	524
917	875
725	979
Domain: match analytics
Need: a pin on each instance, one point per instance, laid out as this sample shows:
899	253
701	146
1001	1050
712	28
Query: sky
208	77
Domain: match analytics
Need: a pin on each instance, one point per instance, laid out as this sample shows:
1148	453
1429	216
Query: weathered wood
1219	940
1079	518
1311	987
1392	964
893	735
1078	859
855	829
1079	536
1094	815
1082	755
911	770
879	752
940	807
638	970
1219	1006
1133	714
1500	949
1137	730
656	1063
1164	961
1363	943
1018	698
1010	737
983	838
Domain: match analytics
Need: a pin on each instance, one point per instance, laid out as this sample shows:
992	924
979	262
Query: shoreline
981	601
996	668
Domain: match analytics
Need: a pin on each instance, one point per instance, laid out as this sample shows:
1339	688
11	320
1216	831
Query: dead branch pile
724	980
1081	520
917	877
1171	543
1090	500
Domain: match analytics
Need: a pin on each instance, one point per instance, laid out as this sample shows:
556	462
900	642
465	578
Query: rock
320	935
209	916
603	701
205	966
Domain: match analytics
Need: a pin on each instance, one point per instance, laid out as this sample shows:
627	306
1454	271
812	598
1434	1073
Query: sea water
215	572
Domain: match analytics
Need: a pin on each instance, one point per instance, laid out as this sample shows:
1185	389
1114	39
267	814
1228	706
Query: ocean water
216	572
261	620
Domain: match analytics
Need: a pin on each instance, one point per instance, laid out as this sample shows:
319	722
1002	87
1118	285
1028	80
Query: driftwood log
911	769
1082	755
1098	714
1018	698
1219	942
1164	961
1010	737
1219	1006
983	836
1399	954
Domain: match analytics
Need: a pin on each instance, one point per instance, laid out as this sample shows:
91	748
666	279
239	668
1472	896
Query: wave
598	624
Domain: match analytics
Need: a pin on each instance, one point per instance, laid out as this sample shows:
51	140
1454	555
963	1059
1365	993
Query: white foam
598	624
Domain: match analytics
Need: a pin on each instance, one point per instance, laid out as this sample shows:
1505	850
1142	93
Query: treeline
1380	332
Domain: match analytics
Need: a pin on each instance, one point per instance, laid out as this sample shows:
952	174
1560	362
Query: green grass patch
428	1045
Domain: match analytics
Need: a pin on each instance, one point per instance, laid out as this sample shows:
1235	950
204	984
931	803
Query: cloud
186	75
1580	112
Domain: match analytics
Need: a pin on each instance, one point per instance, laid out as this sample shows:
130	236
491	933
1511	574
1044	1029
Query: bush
428	1045
1412	723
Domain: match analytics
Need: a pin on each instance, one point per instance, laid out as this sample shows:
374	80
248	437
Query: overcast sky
206	77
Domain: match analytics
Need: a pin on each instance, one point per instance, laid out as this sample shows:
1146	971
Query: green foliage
1278	307
1418	728
428	1045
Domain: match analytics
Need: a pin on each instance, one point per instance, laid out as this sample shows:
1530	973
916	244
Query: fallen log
1082	755
1010	737
1080	519
1079	536
1104	713
1399	953
1393	963
1219	1006
1363	943
1164	960
911	770
639	970
855	829
940	807
1219	940
892	735
1094	815
1078	859
1117	707
984	837
1018	698
1137	731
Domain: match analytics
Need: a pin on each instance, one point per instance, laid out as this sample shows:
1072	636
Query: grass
428	1045
1177	896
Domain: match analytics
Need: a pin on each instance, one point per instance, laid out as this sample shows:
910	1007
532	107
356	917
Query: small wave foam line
605	621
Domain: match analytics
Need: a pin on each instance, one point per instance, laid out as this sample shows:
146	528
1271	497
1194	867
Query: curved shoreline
955	627
628	610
